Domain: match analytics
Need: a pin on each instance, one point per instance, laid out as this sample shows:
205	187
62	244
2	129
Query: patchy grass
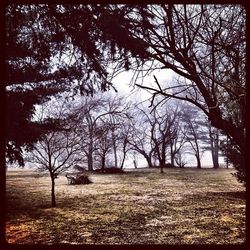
181	206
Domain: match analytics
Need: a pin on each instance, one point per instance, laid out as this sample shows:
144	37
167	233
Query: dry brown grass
181	206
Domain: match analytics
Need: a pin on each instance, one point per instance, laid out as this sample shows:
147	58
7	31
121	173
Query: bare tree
140	137
196	133
154	132
104	143
163	132
177	144
96	115
126	132
57	151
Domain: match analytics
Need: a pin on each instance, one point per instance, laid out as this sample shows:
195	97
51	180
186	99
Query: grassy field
181	206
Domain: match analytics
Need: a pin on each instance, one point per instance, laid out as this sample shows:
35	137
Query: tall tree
164	131
140	138
196	133
104	142
93	113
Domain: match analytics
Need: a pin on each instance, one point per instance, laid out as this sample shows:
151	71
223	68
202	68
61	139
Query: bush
83	179
79	179
237	159
169	165
112	170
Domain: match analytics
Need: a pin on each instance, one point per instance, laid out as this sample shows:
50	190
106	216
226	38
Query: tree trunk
90	162
53	196
135	164
123	159
227	159
163	156
122	163
103	163
215	156
115	149
214	147
115	155
172	154
216	151
90	156
197	155
150	165
124	153
162	164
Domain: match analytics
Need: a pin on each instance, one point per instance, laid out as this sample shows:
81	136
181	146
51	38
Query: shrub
79	179
237	159
111	170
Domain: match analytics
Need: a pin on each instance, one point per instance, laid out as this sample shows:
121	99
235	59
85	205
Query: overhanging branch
160	92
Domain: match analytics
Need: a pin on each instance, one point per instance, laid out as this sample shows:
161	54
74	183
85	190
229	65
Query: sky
122	83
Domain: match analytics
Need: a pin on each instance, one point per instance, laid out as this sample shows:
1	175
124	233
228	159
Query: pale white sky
122	83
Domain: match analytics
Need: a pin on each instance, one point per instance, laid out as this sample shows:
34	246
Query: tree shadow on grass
241	195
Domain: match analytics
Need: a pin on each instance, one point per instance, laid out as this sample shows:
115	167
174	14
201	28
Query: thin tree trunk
123	160
90	156
216	150
214	147
115	149
90	162
172	154
162	166
53	196
115	155
150	165
163	156
135	164
197	155
103	163
124	153
227	160
215	158
197	151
